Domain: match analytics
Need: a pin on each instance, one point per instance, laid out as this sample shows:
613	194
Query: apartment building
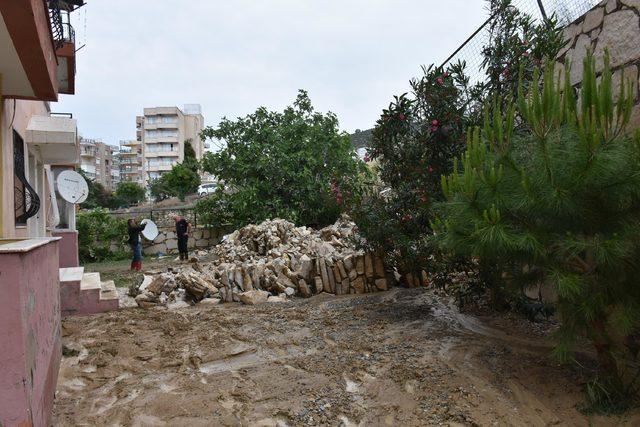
37	228
130	162
163	132
97	161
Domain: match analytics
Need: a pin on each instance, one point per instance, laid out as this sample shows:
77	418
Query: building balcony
163	153
55	138
39	61
159	168
161	140
173	125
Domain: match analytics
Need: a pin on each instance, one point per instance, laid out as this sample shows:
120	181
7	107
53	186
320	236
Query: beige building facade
162	131
97	160
130	162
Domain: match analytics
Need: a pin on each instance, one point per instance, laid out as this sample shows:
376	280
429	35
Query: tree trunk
602	343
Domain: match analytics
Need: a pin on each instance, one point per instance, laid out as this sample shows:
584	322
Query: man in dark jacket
134	241
183	227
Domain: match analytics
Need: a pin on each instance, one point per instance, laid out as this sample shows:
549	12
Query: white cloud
233	56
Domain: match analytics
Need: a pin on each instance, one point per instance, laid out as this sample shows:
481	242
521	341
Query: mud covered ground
403	357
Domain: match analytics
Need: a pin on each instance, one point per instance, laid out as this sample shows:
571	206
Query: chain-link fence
566	11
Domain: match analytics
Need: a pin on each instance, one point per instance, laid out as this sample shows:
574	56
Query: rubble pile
270	262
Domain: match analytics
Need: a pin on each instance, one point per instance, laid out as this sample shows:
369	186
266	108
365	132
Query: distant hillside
361	138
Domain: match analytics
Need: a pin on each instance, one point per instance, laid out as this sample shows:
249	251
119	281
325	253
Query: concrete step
90	281
108	291
71	274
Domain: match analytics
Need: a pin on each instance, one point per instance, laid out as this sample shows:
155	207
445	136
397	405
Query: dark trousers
182	247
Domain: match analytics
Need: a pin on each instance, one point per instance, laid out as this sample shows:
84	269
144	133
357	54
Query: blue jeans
137	251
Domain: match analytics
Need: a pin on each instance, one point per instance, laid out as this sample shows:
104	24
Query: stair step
71	274
108	291
90	281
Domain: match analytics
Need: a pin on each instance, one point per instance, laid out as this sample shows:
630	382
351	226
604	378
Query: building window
26	200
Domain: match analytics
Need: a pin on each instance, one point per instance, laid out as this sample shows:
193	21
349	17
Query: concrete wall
612	25
167	242
29	333
68	248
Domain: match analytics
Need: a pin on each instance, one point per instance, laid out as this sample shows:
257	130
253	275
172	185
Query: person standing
183	228
134	241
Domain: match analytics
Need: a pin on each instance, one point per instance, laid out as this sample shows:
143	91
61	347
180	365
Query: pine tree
557	204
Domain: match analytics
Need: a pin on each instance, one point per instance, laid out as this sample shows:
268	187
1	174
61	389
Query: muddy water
395	358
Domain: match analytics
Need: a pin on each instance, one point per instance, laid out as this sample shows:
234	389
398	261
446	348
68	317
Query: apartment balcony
131	171
55	138
167	153
136	162
173	125
161	140
39	59
159	168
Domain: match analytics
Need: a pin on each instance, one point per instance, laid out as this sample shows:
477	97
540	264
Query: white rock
254	297
178	305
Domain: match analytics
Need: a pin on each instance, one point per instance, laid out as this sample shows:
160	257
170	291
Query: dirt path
398	358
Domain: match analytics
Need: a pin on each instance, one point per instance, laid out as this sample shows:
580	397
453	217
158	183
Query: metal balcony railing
61	29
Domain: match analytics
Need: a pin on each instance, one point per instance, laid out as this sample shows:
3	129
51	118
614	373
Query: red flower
440	81
430	169
525	54
445	75
435	122
401	116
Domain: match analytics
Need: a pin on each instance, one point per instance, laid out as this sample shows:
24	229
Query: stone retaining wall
612	25
167	242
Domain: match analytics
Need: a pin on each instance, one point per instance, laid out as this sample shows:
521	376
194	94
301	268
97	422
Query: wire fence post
542	10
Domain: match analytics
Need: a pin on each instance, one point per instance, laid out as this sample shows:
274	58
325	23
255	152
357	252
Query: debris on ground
270	262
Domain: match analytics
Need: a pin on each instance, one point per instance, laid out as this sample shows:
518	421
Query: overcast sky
231	57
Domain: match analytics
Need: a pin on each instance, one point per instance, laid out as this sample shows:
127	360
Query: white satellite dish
150	231
72	186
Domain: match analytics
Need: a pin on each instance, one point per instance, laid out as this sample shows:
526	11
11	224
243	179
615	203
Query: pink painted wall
68	247
30	335
16	115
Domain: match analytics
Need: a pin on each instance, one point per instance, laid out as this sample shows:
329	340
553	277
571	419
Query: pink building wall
29	332
16	115
68	247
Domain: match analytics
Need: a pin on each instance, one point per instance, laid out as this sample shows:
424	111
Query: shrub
97	232
181	180
129	193
413	143
418	136
294	164
559	205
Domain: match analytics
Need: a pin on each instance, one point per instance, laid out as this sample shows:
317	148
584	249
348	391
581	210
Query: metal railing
470	51
61	31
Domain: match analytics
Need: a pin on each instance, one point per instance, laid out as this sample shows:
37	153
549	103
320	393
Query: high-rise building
130	158
96	160
163	132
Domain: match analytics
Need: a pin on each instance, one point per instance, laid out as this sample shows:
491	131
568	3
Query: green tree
414	143
189	152
181	180
558	204
159	190
98	195
293	164
129	193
